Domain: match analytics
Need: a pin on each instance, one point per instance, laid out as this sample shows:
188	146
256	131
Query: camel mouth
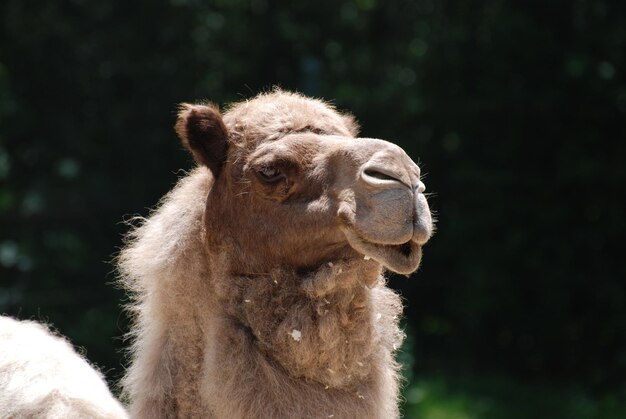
405	248
401	258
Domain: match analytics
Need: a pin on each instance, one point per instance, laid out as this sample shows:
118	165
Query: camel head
294	186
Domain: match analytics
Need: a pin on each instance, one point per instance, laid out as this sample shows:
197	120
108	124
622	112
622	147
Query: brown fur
257	284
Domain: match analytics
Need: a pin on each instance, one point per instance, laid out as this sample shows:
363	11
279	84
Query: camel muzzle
389	219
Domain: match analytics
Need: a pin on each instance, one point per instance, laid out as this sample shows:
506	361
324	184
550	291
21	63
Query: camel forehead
270	116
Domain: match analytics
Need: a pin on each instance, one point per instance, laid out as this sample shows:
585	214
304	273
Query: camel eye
270	174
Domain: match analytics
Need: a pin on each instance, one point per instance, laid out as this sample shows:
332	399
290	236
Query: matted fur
249	339
41	376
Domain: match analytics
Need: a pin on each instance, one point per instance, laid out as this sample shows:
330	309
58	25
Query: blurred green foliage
516	110
494	397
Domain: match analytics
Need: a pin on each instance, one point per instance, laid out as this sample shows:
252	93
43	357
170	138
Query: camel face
297	189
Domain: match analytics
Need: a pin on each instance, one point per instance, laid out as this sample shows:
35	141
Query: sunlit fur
41	376
227	326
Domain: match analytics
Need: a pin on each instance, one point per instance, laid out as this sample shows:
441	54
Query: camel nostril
380	176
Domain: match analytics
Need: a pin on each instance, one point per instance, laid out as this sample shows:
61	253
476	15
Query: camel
42	376
258	286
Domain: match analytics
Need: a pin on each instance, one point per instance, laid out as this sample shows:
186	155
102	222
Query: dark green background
515	110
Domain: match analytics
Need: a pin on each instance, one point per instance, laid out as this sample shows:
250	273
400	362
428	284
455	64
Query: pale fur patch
41	375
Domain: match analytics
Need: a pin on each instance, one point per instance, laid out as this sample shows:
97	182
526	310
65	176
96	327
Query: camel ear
202	131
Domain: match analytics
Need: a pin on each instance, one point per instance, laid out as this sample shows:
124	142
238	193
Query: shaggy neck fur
213	342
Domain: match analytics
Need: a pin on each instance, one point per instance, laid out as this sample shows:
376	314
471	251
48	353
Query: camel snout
420	187
423	221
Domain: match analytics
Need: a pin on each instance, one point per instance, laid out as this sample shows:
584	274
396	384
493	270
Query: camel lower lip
401	258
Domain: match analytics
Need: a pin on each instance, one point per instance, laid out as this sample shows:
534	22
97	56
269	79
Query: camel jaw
402	258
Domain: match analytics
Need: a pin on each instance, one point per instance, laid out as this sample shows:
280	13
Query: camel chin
403	258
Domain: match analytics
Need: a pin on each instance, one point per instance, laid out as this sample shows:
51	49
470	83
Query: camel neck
318	326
